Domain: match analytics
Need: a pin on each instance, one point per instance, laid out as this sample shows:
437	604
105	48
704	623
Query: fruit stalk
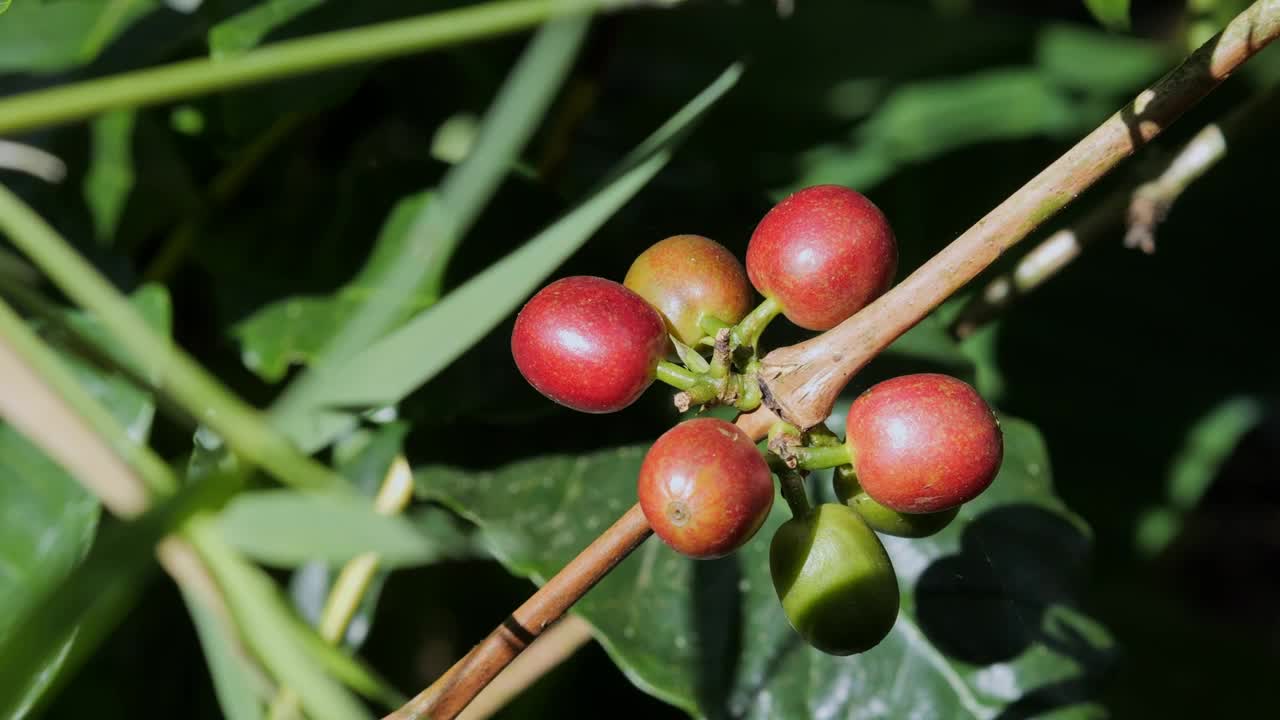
802	382
812	373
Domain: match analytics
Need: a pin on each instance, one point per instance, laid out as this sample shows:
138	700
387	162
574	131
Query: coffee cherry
834	578
824	253
923	443
588	343
883	519
688	278
705	488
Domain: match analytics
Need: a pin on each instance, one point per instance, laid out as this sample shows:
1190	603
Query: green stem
190	78
676	376
817	457
793	492
747	332
170	370
712	325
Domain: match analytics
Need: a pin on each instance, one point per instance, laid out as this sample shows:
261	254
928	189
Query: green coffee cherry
835	580
885	519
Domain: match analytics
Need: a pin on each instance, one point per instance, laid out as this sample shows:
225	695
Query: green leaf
110	178
4	5
432	233
296	330
364	459
67	621
922	120
287	528
47	520
1112	13
987	620
51	36
389	369
240	693
271	630
246	30
1098	62
1209	443
351	670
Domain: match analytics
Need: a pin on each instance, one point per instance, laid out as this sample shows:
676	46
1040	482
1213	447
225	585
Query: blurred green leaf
271	630
1098	62
1208	444
4	5
110	178
288	528
67	620
47	520
1112	13
351	670
392	367
246	30
294	331
365	465
925	119
239	696
51	36
431	234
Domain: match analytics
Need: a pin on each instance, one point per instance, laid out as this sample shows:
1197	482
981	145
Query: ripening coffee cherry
588	343
688	278
884	519
923	443
705	488
835	580
824	253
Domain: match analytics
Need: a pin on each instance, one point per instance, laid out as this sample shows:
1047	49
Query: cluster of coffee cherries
916	447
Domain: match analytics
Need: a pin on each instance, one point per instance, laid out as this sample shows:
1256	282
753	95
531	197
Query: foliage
345	246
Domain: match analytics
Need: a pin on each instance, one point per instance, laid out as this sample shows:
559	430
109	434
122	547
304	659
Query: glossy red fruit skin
705	488
687	277
588	343
824	253
923	443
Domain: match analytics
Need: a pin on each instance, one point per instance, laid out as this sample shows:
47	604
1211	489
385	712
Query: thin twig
804	380
1146	207
32	160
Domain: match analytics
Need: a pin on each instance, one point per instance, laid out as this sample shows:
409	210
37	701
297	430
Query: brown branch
803	381
555	646
1143	208
456	688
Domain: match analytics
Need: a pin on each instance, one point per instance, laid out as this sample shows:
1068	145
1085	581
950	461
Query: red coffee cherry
588	343
824	253
705	488
687	278
923	443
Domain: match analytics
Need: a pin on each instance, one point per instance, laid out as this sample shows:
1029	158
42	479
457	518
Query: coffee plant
352	356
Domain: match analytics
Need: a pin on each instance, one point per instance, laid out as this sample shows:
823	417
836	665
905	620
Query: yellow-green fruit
688	278
885	519
835	580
